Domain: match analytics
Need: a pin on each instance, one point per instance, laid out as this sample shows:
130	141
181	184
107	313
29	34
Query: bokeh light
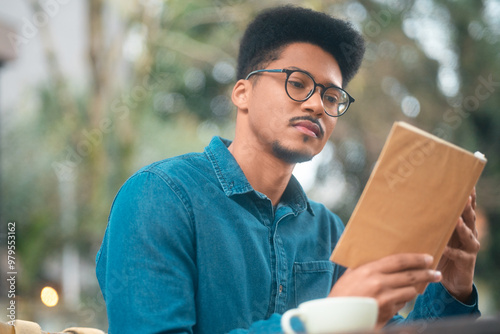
49	296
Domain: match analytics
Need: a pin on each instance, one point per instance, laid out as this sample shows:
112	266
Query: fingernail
437	275
428	259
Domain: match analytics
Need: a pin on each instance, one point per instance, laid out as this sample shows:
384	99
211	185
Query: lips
309	128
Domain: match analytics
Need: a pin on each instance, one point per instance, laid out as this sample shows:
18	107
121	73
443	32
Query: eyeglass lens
300	87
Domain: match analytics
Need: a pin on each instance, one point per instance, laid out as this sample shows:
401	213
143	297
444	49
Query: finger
468	214
390	303
467	237
454	239
411	278
457	255
473	195
402	262
386	313
399	306
394	300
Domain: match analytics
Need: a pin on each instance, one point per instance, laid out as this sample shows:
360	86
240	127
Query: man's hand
391	280
459	257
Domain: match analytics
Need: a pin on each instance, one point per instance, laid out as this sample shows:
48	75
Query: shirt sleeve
146	264
436	303
269	326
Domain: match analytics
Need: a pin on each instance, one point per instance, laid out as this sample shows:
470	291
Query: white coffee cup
330	315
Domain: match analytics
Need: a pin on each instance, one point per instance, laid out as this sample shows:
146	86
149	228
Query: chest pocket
312	280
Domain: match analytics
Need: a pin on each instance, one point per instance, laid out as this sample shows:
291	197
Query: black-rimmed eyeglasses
300	86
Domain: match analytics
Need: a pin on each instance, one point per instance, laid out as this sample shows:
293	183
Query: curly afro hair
273	29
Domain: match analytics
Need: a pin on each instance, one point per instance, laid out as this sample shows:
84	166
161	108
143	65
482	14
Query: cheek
270	109
278	118
269	122
330	123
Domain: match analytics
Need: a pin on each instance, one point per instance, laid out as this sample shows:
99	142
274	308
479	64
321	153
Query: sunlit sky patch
429	24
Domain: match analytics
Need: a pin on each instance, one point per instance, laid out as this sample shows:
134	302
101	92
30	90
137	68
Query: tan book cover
412	200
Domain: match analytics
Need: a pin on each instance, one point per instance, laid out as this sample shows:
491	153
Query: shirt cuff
440	303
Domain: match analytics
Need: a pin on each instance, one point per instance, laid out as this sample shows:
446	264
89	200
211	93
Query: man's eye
331	99
296	84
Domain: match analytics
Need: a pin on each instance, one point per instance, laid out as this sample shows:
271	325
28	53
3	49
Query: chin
290	155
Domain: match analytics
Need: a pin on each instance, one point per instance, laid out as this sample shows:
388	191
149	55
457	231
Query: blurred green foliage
161	87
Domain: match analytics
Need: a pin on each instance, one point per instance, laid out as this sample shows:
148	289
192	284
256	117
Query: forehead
313	59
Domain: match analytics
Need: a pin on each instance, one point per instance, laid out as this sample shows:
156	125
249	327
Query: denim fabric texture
191	247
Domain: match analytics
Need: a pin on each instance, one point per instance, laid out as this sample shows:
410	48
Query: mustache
311	119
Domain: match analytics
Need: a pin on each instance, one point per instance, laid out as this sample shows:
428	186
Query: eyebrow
328	85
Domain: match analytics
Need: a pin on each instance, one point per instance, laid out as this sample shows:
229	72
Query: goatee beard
289	156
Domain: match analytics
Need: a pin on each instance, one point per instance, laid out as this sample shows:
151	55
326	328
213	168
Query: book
412	201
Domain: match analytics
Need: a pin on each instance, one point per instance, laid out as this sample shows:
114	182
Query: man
226	239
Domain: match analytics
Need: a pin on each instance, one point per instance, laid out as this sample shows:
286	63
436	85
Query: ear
241	93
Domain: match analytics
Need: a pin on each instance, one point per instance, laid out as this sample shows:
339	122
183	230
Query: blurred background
92	90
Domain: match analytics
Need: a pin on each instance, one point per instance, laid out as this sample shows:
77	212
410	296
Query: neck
266	173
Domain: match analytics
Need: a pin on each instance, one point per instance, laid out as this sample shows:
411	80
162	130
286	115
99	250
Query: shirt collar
233	181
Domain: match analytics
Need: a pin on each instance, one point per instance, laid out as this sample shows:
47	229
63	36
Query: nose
314	104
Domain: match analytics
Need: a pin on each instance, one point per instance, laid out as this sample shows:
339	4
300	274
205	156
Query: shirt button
281	288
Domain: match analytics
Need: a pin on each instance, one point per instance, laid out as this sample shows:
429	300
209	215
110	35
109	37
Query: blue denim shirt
191	247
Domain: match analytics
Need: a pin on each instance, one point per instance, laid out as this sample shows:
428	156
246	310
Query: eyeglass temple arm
260	71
